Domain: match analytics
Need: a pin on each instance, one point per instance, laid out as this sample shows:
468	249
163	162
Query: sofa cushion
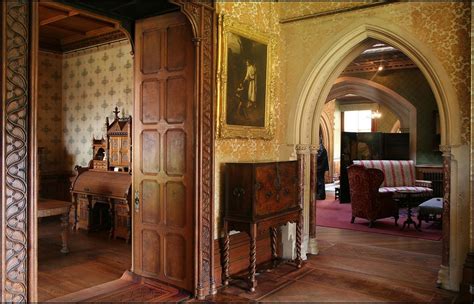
425	190
398	173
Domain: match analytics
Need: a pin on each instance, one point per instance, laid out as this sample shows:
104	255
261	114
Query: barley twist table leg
253	257
299	232
273	234
225	269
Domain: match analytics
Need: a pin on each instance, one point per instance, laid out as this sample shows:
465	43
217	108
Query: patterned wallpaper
90	84
94	82
49	137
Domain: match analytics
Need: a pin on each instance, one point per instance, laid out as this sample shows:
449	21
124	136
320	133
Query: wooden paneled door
163	156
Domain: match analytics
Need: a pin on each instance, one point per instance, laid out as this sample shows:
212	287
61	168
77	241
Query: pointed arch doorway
316	85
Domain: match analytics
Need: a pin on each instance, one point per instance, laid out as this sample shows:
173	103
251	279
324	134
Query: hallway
354	266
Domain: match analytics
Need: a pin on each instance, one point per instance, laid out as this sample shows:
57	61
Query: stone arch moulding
337	53
371	90
315	86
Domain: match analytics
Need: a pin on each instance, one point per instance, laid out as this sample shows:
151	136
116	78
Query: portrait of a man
246	77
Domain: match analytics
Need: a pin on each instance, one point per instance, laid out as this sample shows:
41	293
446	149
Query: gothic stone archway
316	84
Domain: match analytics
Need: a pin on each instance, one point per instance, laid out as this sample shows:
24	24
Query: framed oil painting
244	106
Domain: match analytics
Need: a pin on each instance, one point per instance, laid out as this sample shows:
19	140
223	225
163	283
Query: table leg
273	235
90	208
112	219
65	231
410	220
129	224
75	203
299	232
225	258
253	257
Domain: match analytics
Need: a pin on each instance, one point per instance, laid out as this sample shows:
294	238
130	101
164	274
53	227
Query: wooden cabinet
119	143
99	148
260	197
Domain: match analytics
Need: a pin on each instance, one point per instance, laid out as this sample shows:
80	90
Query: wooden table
408	197
50	207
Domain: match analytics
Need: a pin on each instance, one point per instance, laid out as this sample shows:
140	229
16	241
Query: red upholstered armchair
366	200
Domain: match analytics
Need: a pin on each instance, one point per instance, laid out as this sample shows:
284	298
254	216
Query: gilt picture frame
244	82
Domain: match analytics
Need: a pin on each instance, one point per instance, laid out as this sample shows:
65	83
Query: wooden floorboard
129	288
93	259
352	266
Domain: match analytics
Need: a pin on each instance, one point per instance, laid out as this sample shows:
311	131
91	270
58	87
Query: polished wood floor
353	266
93	259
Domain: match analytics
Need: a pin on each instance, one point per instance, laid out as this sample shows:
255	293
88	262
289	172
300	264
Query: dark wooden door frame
201	15
19	45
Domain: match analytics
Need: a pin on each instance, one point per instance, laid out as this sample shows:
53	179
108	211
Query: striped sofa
399	175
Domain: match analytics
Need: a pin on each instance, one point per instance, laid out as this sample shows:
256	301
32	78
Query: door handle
137	201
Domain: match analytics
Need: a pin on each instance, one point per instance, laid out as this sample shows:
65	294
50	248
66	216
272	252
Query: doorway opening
84	131
22	54
375	105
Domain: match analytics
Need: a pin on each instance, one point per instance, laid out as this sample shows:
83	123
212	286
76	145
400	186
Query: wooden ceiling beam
57	18
102	30
68	29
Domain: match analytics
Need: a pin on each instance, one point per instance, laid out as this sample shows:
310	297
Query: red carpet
330	213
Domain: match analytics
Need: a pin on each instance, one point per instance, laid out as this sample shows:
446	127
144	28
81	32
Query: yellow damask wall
306	8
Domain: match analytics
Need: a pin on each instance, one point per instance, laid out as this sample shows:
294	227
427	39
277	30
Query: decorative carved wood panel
201	15
16	186
164	156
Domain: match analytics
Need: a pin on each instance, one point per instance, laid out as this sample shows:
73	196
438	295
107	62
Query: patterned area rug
330	213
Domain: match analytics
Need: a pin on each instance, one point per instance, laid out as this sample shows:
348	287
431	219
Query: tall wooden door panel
163	150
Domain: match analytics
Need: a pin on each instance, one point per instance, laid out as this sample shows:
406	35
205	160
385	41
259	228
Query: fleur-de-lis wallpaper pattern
93	82
49	111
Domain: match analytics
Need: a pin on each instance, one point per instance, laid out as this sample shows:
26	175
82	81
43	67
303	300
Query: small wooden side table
408	197
50	207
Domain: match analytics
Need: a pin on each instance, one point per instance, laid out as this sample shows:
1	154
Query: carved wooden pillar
444	268
300	156
201	15
17	184
312	244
